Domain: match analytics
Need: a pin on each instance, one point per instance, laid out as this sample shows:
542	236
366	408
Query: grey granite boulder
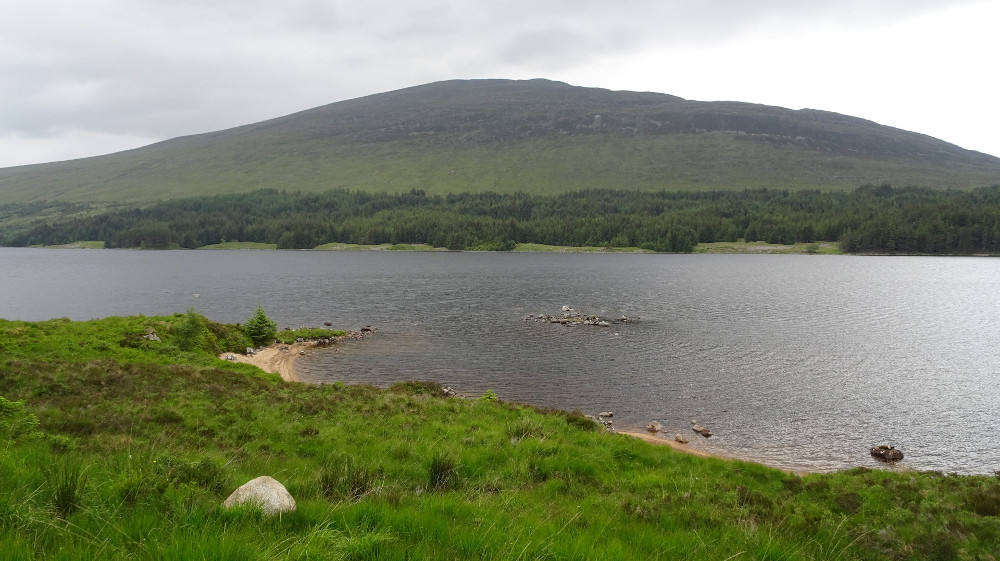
265	491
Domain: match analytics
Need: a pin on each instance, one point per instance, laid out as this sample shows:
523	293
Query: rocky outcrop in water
887	454
603	420
572	317
327	341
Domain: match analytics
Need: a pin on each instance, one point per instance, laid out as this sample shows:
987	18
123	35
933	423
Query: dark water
797	361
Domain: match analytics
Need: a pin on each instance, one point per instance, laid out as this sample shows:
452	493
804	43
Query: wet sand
661	441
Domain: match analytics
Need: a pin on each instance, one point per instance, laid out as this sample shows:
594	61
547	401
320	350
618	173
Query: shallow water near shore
802	362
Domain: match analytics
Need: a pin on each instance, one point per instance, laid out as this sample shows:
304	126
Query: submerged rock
702	431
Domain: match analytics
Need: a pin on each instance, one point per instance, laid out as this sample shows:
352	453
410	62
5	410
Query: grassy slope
689	162
504	136
141	443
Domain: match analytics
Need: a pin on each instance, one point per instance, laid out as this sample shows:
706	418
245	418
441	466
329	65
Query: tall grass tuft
443	472
523	428
344	479
66	482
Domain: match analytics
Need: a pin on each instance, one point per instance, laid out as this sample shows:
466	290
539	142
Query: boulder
605	414
266	492
702	431
887	454
654	426
681	439
328	323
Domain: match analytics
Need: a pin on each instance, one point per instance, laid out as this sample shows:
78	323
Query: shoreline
685	449
279	358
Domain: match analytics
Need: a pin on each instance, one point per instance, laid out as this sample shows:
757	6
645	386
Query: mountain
500	135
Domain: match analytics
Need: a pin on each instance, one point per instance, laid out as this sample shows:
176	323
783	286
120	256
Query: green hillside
535	136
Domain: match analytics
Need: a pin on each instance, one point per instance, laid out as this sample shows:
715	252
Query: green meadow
114	445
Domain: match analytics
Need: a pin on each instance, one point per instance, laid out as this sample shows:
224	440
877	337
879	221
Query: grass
377	247
542	166
240	245
508	137
137	443
79	245
542	248
817	248
289	336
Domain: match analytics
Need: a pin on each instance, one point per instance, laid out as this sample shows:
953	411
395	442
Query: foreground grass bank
116	446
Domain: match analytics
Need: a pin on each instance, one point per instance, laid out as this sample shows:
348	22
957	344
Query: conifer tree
260	329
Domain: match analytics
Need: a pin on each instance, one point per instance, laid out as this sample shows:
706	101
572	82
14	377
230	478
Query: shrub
985	501
490	395
190	332
581	421
15	422
418	387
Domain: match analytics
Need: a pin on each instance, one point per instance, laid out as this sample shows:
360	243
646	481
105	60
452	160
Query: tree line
870	219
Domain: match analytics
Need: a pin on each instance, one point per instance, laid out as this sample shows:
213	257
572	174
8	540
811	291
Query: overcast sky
88	77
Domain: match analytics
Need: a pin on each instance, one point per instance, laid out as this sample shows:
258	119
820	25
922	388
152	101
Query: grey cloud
163	68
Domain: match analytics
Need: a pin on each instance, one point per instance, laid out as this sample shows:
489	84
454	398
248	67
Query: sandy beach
279	358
